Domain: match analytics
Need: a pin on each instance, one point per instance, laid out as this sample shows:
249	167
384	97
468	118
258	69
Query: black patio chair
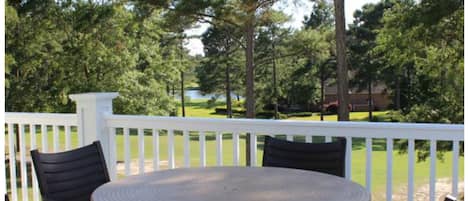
71	175
322	157
450	198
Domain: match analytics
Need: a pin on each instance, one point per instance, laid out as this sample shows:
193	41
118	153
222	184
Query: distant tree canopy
55	48
422	48
58	47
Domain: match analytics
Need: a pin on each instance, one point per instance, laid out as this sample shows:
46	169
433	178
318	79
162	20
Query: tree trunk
181	57
370	107
229	111
274	75
250	101
182	95
321	106
342	75
173	93
398	93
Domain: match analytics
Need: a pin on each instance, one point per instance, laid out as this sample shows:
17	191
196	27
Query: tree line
135	47
54	48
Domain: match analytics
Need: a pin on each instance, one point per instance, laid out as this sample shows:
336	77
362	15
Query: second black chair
322	157
71	175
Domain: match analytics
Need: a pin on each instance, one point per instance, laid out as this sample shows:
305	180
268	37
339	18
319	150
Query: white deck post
91	110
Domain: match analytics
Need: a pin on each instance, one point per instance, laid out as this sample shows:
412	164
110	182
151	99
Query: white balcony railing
94	120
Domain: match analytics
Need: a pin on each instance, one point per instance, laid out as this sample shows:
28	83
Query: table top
231	184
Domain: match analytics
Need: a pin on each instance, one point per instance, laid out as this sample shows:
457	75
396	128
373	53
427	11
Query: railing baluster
56	138
187	149
253	153
171	162
219	139
235	148
202	149
141	151
369	150
67	138
44	138
455	168
156	149
348	158
411	160
80	127
32	133
24	169
112	153
309	139
12	154
126	152
432	169
389	152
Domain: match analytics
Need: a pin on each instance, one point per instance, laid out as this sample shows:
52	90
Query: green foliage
212	102
56	48
299	114
139	93
422	45
322	15
222	54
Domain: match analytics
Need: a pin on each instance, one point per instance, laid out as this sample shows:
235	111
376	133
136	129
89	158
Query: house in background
380	98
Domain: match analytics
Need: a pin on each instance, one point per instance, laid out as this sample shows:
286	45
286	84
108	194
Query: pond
197	94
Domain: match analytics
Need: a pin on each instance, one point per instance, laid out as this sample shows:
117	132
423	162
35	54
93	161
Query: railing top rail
353	129
65	119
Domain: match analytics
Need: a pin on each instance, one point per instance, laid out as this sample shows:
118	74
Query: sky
297	13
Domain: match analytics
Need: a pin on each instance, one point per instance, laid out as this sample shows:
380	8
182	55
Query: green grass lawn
358	158
198	108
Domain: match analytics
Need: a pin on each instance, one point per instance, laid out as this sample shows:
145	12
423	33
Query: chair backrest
450	198
322	157
71	175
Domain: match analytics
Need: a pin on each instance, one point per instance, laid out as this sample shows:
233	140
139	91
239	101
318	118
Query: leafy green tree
427	49
322	19
33	46
55	48
322	15
423	46
315	51
221	69
243	15
364	62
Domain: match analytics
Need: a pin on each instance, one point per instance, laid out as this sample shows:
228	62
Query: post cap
94	96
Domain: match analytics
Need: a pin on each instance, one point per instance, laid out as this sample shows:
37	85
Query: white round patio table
231	184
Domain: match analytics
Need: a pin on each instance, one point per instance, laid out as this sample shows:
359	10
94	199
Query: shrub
300	114
220	110
211	102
